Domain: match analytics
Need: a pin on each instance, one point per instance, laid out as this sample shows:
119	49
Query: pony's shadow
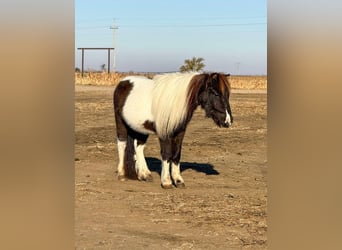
154	165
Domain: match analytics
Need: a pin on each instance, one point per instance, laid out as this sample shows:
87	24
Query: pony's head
214	98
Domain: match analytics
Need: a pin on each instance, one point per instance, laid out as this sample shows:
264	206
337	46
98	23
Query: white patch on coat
228	119
175	172
121	152
165	173
137	108
169	105
162	100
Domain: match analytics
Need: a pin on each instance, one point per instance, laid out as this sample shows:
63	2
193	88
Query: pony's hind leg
143	172
122	136
121	154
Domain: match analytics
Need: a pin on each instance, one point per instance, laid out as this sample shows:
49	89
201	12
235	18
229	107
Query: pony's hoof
166	186
180	185
147	178
121	178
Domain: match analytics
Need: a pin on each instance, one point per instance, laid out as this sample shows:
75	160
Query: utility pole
114	27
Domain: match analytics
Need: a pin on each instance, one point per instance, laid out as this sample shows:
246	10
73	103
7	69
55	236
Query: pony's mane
170	101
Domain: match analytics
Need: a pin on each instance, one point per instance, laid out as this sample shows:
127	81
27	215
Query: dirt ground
222	207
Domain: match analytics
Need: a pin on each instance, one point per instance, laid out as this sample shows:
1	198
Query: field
222	207
92	78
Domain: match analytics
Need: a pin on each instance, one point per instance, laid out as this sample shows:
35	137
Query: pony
164	106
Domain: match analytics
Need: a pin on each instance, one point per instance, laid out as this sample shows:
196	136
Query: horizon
90	70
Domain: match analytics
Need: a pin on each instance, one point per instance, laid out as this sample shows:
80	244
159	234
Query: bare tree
103	67
194	64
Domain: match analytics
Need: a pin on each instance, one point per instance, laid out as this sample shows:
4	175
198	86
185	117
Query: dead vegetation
105	79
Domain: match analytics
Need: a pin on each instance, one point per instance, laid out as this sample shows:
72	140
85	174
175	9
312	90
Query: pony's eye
213	91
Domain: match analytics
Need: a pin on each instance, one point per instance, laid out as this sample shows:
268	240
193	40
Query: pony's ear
228	79
213	79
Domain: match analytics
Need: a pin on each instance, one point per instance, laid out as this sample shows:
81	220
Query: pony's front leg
176	155
166	155
171	153
176	176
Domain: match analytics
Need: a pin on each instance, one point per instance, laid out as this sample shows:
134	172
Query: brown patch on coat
196	85
223	84
120	94
119	98
150	126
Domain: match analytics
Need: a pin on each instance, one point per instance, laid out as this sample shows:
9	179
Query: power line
169	19
92	27
190	25
176	25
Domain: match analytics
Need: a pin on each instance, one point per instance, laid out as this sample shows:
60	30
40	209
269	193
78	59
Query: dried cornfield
105	79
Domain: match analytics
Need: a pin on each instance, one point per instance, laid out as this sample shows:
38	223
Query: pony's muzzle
228	122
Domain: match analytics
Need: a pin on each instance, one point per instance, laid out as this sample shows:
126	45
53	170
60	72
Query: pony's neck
196	91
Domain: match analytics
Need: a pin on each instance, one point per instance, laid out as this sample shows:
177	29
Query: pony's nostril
228	123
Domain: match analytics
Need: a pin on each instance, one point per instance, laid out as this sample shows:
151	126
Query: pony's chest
137	109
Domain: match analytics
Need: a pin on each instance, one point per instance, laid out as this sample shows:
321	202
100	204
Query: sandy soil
222	207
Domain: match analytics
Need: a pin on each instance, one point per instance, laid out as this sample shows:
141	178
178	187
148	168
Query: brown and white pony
164	106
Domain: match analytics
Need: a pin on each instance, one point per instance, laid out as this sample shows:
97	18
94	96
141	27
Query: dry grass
249	82
93	78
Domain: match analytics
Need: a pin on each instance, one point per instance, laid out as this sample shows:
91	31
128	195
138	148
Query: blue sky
158	35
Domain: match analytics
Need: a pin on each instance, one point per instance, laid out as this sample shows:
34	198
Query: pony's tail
129	161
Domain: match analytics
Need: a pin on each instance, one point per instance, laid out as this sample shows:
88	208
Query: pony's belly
139	124
138	119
